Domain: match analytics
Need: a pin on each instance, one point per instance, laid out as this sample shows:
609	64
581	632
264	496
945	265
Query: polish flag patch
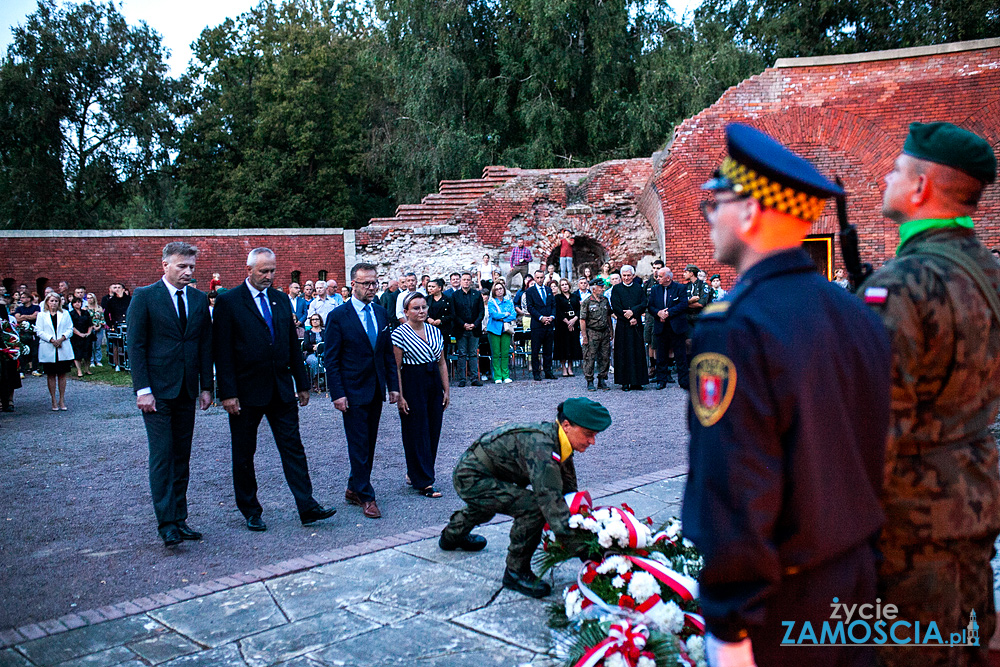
876	295
556	458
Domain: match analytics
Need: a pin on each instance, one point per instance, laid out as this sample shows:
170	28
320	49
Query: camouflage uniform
942	487
517	455
597	315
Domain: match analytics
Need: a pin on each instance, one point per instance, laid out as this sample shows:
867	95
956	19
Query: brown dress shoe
370	510
352	497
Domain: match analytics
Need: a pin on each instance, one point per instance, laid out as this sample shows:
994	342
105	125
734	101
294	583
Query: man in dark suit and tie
668	304
542	308
170	348
260	373
360	366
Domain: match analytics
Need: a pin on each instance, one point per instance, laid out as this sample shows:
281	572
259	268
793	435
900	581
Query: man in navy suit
542	308
360	366
260	373
170	349
669	305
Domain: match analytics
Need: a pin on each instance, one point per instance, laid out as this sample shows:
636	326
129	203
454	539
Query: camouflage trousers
941	582
486	496
597	350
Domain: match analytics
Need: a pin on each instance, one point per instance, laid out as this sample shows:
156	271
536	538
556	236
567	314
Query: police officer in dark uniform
788	421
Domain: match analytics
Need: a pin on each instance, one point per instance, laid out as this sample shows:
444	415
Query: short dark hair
176	248
466	273
362	266
658	262
439	282
456	273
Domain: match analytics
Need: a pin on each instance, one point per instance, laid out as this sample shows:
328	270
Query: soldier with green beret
492	477
939	301
596	334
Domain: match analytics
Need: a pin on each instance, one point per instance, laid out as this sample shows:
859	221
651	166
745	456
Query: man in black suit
542	308
467	303
360	366
668	305
170	347
260	373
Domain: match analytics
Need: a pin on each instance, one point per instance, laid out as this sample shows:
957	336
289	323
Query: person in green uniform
938	300
596	330
492	477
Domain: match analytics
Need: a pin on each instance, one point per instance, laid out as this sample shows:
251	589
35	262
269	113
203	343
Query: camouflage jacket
526	454
596	313
941	477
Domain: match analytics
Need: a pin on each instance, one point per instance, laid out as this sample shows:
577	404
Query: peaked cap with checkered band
760	167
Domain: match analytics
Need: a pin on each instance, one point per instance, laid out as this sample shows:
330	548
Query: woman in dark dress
628	303
82	340
440	313
567	348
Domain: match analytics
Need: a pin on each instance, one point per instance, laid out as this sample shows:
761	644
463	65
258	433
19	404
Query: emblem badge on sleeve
713	384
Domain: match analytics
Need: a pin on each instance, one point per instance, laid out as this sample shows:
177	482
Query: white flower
688	543
614	564
668	617
603	514
642	587
615	660
674	528
645	662
696	649
659	557
574	602
604	539
618	582
591	525
618	532
575	521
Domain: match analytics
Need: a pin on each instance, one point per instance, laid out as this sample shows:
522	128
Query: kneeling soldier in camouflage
492	476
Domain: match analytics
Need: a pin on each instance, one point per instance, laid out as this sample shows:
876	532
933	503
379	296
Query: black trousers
283	418
169	432
666	341
361	429
422	427
542	339
851	578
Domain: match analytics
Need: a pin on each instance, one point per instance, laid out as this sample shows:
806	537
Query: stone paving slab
84	641
295	639
223	617
119	655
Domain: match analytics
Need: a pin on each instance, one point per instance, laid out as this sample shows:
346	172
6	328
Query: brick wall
849	118
96	259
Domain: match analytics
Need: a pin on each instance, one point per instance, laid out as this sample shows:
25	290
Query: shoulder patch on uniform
713	383
715	307
876	295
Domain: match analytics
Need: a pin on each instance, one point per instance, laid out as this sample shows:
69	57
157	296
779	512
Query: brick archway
587	251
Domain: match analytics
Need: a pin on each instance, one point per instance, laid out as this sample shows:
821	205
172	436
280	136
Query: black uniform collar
795	260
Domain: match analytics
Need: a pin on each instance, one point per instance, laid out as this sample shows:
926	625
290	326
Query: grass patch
104	375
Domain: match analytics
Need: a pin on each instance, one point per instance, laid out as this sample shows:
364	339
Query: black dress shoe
171	537
661	385
186	533
525	583
255	523
317	514
537	378
461	383
468	543
590	386
626	387
477	383
550	376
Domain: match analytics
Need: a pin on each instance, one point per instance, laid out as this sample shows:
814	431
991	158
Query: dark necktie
267	313
181	310
370	325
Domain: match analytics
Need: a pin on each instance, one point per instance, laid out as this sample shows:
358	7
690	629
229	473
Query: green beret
586	413
954	147
692	268
598	281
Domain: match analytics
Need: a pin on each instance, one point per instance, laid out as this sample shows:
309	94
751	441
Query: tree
86	116
276	118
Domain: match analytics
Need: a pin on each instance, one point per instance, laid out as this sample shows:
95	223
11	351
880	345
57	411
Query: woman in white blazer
55	353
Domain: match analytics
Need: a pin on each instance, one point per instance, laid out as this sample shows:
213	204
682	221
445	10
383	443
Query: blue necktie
370	325
267	313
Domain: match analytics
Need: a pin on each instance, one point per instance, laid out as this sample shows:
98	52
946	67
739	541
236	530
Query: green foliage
86	115
276	111
591	632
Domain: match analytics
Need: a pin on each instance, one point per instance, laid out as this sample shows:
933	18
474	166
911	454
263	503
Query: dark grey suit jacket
161	356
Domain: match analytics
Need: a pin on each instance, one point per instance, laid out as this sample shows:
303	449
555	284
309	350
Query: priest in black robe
628	302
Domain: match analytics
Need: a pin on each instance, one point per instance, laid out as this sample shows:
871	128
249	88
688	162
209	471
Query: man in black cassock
628	302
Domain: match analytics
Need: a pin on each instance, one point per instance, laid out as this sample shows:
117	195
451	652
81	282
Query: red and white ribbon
636	531
578	500
683	585
624	638
695	621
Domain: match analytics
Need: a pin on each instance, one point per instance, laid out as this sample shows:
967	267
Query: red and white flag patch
876	295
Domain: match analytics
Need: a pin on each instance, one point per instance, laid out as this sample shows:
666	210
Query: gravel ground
77	529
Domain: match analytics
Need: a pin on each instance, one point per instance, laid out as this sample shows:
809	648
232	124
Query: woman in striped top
423	391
